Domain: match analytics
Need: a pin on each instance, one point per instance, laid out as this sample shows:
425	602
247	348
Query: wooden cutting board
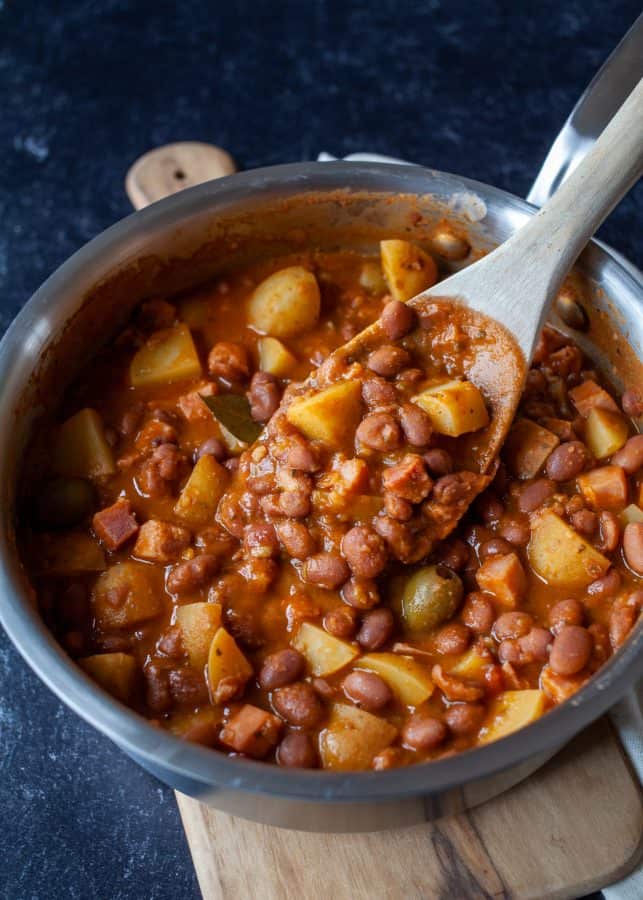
573	827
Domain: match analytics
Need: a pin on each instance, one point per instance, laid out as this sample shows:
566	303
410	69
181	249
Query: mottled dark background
479	88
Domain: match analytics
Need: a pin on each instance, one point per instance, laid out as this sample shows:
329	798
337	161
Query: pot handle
605	94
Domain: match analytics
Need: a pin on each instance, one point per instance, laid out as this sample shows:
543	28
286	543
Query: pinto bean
535	645
296	752
398	508
509	652
609	530
377	392
261	540
294	452
516	530
367	690
341	622
585	521
328	570
455	554
464	718
229	361
264	396
621	621
438	462
490	509
188	686
379	431
388	360
294	504
633	546
416	425
494	547
478	613
566	612
632	403
212	447
567	461
607	586
298	704
452	638
297	540
361	593
534	494
193	574
397	319
512	625
423	732
377	628
630	456
281	668
571	650
364	551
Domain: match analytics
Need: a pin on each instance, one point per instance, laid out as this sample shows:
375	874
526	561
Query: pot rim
131	731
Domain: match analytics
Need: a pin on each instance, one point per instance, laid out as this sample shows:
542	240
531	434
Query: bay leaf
233	412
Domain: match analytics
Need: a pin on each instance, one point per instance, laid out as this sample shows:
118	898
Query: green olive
64	502
430	596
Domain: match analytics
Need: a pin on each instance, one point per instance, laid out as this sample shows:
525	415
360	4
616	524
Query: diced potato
454	407
510	711
325	654
200	496
161	542
471	666
115	672
275	358
286	303
604	488
80	448
225	660
371	277
331	415
198	622
353	737
430	596
504	577
527	448
409	680
168	355
124	596
561	556
68	553
632	513
605	432
588	396
200	726
407	268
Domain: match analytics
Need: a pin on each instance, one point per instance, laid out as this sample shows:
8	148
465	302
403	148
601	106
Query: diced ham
115	524
504	577
604	488
528	447
589	395
408	479
161	542
252	731
193	407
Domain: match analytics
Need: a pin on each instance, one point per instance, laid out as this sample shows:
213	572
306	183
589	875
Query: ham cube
504	577
588	396
115	525
161	542
252	731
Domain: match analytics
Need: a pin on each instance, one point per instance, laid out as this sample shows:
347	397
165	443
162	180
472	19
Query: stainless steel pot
179	242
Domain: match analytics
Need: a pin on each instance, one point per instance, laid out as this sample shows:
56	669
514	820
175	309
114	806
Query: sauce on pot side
281	581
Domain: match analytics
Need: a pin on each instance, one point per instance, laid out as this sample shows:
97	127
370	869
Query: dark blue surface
86	87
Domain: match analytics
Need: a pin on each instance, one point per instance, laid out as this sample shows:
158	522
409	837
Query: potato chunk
353	737
167	355
632	513
471	666
124	596
604	488
325	654
528	447
454	407
407	268
161	542
510	711
67	554
198	622
605	432
226	663
80	448
331	415
200	496
275	358
409	680
504	577
114	672
286	303
562	557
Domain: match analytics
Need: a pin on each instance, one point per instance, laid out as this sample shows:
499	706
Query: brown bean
585	521
534	494
452	638
377	628
296	752
397	535
515	530
633	546
490	509
377	392
478	613
621	621
261	541
455	554
264	396
193	574
328	570
294	504
367	690
509	652
632	403
379	431
607	586
416	425
398	508
361	593
187	686
229	361
609	531
364	551
438	462
397	319
423	732
567	461
298	704
294	452
341	622
494	547
566	612
297	540
571	650
281	668
535	645
388	360
630	456
464	718
512	625
212	447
